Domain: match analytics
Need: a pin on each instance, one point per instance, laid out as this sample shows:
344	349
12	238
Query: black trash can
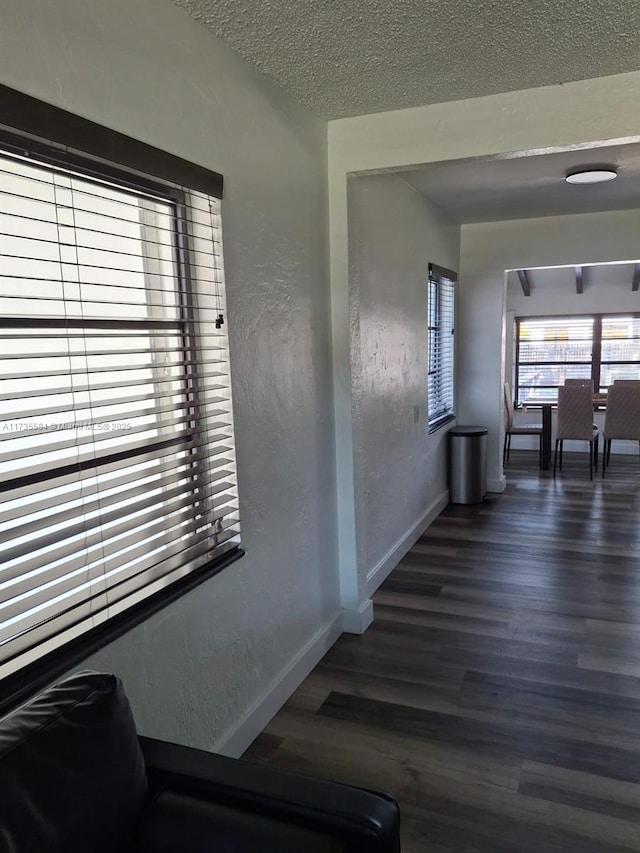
467	464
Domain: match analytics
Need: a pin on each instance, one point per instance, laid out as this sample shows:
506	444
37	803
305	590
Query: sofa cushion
71	772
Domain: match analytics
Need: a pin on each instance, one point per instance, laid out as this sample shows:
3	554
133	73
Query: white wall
584	114
399	468
147	69
486	251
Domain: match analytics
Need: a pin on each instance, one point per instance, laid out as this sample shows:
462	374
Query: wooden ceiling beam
579	279
635	284
525	284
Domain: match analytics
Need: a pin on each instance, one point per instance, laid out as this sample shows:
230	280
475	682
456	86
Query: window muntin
441	347
117	466
550	350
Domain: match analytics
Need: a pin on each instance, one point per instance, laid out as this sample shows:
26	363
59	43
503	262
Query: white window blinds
550	351
117	464
441	345
620	350
600	348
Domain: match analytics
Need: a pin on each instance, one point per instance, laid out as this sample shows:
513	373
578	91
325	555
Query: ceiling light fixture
591	175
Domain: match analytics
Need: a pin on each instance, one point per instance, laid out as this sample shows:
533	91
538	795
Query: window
550	350
441	346
117	461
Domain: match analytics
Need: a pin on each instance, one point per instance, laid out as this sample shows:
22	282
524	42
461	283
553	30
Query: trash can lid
468	430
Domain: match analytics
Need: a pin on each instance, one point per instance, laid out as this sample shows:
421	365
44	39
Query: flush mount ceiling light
591	175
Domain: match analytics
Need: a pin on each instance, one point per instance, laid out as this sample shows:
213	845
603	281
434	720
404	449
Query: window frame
60	138
437	277
595	363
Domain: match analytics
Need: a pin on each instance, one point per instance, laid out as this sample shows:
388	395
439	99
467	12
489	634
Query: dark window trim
596	352
108	147
442	272
91	169
436	425
100	154
19	686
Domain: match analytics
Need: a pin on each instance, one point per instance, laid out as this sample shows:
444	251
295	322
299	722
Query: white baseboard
497	485
391	559
357	621
234	742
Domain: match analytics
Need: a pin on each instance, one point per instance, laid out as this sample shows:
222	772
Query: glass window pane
440	341
550	351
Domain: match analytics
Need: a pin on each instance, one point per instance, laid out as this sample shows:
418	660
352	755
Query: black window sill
436	425
21	685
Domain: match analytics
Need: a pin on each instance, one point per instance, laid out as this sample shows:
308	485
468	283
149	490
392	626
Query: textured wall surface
584	114
531	121
346	59
400	468
149	70
488	249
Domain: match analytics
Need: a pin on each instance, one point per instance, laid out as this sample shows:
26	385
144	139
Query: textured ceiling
486	190
350	57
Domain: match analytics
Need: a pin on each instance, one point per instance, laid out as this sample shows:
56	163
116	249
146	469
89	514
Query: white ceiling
552	280
364	56
491	190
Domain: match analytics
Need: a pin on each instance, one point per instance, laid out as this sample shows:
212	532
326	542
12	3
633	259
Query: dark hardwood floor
497	694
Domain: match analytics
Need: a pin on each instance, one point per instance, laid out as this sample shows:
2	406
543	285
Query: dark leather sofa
76	778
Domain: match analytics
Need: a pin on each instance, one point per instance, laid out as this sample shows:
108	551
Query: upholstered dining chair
520	429
622	416
586	382
575	422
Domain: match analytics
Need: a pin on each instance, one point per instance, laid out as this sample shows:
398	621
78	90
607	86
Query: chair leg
555	457
604	456
591	444
509	447
609	450
596	445
540	453
504	450
561	449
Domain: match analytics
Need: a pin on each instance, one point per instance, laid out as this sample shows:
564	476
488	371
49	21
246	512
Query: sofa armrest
367	822
174	823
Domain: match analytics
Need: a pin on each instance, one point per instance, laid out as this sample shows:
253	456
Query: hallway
497	694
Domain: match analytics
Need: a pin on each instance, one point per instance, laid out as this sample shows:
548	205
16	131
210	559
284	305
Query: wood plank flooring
497	694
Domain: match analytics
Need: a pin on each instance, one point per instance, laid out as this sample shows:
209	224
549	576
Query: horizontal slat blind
117	461
441	343
620	353
550	351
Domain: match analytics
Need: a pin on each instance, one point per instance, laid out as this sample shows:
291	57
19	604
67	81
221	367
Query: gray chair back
575	413
622	418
